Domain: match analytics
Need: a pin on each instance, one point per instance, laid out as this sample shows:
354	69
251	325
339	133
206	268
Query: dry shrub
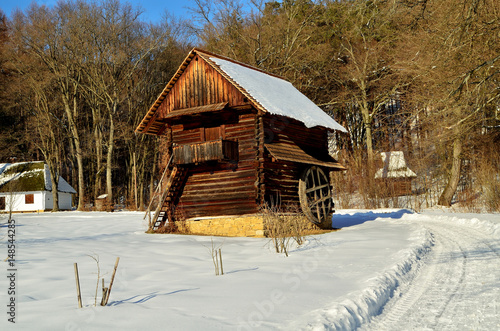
468	200
479	186
87	205
168	227
356	187
108	205
130	204
176	225
284	227
488	177
344	189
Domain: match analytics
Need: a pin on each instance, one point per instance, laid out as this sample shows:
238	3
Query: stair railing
156	194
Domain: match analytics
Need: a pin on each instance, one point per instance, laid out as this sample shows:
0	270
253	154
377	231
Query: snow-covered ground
385	270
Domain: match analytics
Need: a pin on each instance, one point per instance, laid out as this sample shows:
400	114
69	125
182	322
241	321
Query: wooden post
220	258
104	293
216	263
78	287
112	279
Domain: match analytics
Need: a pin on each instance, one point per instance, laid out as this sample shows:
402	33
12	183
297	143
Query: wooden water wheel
315	195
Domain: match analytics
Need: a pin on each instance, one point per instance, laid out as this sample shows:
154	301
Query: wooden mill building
235	138
394	177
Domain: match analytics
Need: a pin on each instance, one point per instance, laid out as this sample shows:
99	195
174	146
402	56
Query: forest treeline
419	76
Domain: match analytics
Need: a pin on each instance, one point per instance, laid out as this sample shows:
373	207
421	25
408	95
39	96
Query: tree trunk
109	159
141	192
369	146
99	168
152	173
451	187
54	179
134	178
79	154
367	123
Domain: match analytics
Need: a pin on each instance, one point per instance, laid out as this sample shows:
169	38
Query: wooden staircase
163	197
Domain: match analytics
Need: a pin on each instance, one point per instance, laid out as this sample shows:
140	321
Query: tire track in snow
454	288
461	266
412	290
480	289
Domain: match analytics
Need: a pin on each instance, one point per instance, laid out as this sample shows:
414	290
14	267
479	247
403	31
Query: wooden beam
150	122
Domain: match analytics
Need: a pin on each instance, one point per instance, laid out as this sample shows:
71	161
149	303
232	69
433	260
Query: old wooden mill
234	138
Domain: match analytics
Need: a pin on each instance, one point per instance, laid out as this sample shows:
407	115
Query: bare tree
44	33
457	59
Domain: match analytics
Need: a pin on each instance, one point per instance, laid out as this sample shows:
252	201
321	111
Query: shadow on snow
346	220
147	297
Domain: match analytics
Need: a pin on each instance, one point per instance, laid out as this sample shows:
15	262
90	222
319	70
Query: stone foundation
229	226
252	225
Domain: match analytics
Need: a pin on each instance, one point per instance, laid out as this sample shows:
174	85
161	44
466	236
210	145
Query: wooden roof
150	124
154	123
293	153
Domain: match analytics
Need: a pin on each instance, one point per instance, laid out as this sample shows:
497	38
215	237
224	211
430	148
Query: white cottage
26	187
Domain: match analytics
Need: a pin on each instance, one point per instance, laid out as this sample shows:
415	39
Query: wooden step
173	183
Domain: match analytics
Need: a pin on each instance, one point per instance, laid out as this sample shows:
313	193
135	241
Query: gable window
29	199
2	203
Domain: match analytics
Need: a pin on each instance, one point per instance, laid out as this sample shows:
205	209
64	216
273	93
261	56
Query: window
29	199
2	203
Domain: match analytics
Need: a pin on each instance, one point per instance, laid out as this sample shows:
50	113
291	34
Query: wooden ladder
160	216
156	195
160	219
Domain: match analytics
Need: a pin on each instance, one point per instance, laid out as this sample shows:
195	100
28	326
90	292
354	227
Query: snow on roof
394	166
30	176
62	185
277	96
26	176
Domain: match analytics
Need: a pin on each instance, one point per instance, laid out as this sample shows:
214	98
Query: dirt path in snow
456	287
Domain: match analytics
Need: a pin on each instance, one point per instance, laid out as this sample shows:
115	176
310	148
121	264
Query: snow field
340	280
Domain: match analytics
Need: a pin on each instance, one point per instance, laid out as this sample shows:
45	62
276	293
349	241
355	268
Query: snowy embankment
362	307
359	307
338	280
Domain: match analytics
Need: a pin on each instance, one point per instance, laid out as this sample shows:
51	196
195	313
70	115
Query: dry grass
284	227
478	191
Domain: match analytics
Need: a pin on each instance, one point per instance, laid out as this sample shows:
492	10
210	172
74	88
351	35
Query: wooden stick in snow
112	279
104	293
216	263
220	260
78	287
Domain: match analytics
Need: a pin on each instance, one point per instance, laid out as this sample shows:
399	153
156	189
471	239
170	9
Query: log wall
221	188
282	177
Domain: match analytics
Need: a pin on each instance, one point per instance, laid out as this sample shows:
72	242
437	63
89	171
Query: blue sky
153	9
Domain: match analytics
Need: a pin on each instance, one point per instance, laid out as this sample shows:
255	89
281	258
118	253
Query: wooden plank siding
281	181
213	188
282	177
279	129
221	188
199	85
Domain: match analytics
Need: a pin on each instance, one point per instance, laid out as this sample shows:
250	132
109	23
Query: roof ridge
232	81
232	70
237	62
